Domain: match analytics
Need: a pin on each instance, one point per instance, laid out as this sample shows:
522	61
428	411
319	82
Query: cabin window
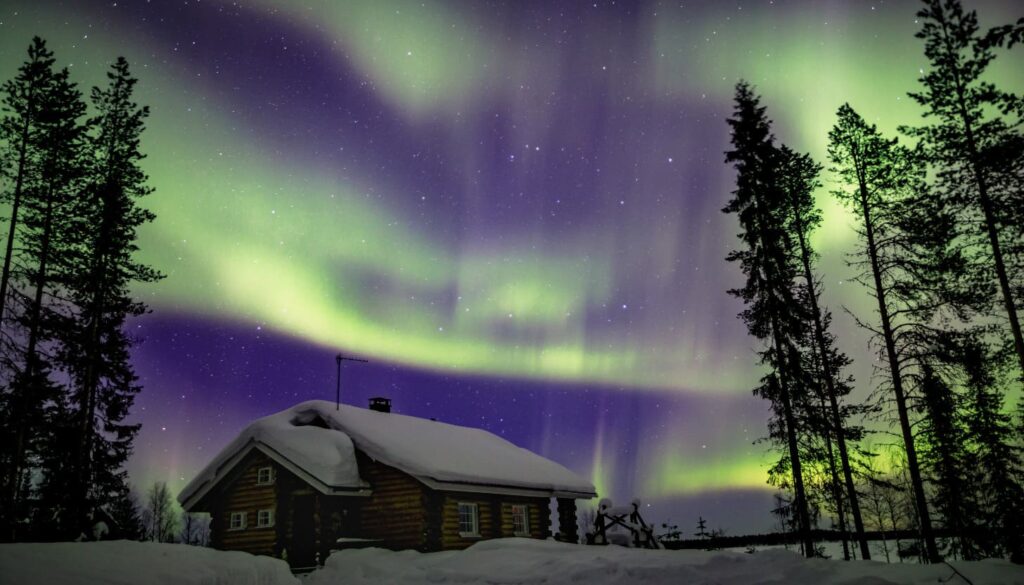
237	521
265	475
469	524
264	518
521	520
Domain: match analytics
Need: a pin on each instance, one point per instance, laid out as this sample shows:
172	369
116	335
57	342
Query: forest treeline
70	182
939	216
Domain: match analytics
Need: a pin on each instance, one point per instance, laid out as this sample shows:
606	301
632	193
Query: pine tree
97	355
876	178
759	202
1008	35
971	140
799	177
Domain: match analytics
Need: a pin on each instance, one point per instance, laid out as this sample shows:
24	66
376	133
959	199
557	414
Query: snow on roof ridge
487	459
424	448
328	457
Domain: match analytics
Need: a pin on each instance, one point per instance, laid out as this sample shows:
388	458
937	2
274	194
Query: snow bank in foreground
130	563
516	561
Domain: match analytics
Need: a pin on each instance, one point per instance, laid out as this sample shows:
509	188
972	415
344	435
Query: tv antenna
337	394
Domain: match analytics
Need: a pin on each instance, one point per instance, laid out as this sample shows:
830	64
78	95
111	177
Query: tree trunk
985	202
19	183
23	392
87	401
829	378
781	357
803	518
917	484
836	490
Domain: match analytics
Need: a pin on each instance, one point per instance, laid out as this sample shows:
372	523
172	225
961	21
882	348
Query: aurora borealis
510	208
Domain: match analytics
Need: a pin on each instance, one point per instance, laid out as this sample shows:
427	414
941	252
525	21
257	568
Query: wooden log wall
396	512
402	512
494	518
450	537
242	494
538	517
568	530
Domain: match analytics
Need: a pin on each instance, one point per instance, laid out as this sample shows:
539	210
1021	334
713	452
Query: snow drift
510	561
121	562
517	561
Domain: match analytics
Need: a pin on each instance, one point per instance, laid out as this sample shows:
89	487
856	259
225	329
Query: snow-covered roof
441	455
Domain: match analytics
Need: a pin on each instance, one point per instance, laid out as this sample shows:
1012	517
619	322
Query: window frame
524	514
270	518
475	516
270	475
244	523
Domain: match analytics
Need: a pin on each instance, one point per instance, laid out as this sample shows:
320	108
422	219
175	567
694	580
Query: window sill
239	529
469	534
265	526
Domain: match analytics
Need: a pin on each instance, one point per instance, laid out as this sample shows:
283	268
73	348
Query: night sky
510	208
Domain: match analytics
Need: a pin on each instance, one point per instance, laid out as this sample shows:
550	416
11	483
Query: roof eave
504	490
190	500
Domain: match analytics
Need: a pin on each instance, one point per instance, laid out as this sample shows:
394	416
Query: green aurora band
249	234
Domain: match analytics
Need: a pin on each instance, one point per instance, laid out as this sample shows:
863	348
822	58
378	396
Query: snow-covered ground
512	561
120	562
515	561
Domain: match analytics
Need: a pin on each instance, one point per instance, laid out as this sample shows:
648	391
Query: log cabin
319	477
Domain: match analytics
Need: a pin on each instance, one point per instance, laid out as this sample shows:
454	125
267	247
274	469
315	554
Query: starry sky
510	208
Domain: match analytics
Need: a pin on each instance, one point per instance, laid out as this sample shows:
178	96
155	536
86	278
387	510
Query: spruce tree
19	135
996	463
97	355
124	510
45	249
18	131
702	532
944	455
769	293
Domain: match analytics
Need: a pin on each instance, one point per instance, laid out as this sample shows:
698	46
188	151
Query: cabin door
303	553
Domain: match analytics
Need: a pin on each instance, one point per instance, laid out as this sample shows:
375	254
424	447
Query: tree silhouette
799	179
36	399
772	308
18	132
877	177
971	140
97	355
69	383
945	456
996	463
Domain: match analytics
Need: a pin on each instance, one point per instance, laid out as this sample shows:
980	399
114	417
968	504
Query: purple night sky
510	208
